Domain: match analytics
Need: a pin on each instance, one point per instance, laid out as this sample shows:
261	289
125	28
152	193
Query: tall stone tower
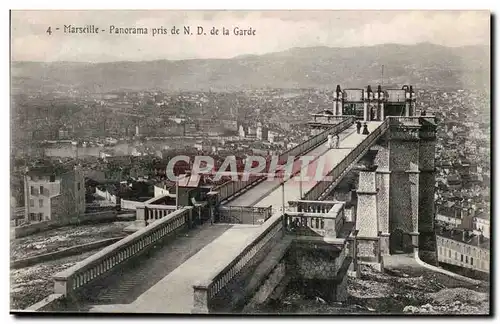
411	191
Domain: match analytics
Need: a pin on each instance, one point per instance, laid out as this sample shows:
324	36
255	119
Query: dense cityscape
122	142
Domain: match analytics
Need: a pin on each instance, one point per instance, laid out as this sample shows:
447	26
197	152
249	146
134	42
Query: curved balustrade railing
325	223
343	167
231	188
110	258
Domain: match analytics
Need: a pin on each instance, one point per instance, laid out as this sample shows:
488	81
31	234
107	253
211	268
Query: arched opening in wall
400	242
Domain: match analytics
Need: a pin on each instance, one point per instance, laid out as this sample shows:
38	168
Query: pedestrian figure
423	113
337	141
330	142
365	129
358	126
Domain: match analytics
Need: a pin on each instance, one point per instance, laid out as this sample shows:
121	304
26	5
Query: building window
449	253
466	259
32	190
32	203
456	256
78	185
40	217
32	217
41	190
40	202
52	178
471	261
461	258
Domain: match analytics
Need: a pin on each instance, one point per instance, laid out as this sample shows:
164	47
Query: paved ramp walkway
256	193
329	160
174	293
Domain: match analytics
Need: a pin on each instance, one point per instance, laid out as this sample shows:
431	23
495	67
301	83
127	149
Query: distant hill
423	65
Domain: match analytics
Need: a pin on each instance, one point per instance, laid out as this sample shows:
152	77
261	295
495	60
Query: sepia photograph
250	162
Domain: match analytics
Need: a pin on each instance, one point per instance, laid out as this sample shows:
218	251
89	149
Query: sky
275	31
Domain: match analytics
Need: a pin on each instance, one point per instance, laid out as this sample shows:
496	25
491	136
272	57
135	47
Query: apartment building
54	193
464	249
481	222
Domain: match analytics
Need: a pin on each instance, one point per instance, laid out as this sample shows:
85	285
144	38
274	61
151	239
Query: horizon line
249	55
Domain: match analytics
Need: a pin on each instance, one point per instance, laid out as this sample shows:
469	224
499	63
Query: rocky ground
402	291
62	238
31	284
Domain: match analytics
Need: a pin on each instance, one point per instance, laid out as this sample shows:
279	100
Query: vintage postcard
250	162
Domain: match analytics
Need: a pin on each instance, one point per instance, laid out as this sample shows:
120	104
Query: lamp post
176	192
283	196
300	185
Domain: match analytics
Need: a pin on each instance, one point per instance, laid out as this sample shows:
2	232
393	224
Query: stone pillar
413	178
366	220
140	216
383	185
366	114
407	108
330	232
200	299
335	111
427	153
403	151
382	113
339	106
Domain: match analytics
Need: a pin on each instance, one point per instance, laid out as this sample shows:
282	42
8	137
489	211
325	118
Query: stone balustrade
327	224
341	124
232	188
114	256
328	119
312	206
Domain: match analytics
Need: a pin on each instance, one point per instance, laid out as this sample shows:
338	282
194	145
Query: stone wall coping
46	302
167	207
328	215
